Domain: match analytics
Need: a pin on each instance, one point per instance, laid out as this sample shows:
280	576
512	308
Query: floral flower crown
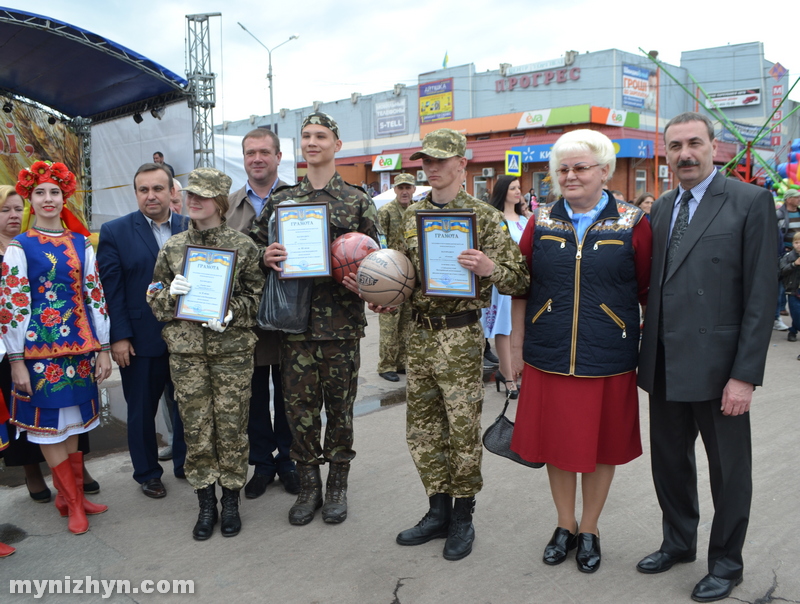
45	171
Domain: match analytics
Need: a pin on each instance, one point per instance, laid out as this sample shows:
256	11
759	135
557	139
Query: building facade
525	107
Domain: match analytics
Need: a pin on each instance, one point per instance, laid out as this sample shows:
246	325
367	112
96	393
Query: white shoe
779	325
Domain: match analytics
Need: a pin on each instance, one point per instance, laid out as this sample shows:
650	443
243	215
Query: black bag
497	439
286	303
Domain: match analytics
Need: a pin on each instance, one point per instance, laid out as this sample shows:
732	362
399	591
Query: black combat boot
231	523
461	533
310	498
207	517
335	509
434	524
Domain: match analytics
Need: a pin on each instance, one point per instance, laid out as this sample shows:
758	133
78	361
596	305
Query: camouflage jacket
336	312
510	274
390	217
187	337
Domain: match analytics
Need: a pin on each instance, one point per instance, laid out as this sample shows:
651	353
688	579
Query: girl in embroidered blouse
54	324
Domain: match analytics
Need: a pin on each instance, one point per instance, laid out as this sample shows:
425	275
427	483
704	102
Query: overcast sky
365	46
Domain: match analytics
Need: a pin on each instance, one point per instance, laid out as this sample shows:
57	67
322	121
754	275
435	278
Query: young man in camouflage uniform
394	325
321	365
445	350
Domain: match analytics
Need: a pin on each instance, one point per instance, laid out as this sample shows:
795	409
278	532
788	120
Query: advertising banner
436	101
638	87
26	136
390	117
734	98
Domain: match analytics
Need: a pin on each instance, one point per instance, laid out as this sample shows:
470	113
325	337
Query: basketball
348	251
386	278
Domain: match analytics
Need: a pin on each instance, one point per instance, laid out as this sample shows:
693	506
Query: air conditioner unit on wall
421	176
663	171
487	172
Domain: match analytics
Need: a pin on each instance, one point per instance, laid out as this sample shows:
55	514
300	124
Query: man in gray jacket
262	156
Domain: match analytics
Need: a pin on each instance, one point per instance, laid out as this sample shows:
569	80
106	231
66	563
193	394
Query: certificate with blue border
302	228
443	235
210	272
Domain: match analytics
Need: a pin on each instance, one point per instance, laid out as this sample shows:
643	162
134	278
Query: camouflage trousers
443	414
394	336
213	396
317	373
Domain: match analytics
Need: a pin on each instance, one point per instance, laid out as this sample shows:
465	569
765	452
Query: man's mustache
687	162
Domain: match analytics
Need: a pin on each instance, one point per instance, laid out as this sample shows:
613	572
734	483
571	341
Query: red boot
64	478
6	550
76	461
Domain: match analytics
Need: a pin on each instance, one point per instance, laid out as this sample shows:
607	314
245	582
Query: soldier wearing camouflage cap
445	349
320	366
394	325
211	362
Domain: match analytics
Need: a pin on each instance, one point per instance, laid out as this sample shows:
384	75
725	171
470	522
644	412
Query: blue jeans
794	311
781	300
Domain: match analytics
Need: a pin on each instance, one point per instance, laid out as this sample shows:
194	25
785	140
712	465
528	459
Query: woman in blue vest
54	324
575	339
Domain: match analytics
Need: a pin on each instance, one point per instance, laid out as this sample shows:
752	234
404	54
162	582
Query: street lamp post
269	73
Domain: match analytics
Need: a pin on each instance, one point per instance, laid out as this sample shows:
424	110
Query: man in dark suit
126	255
262	156
704	346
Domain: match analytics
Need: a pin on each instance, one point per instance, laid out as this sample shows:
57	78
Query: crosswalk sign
514	163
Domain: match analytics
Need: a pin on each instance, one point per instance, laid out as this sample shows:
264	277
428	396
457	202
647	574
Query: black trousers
674	427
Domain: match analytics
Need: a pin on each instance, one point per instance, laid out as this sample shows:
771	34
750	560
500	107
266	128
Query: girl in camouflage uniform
211	363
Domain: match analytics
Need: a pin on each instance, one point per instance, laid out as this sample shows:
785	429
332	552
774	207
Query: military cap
208	182
404	179
321	119
442	144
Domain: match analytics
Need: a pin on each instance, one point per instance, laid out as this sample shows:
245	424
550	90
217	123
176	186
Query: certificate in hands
210	272
443	235
302	228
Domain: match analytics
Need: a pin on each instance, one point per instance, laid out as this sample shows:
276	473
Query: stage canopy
78	73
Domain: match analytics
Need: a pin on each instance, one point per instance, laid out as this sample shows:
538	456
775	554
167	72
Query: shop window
641	182
479	187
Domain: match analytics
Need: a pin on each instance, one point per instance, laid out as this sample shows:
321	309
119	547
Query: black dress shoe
390	376
257	485
154	488
290	481
588	554
711	588
560	543
42	496
661	561
91	488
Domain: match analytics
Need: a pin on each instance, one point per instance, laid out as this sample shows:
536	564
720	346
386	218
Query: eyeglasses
577	169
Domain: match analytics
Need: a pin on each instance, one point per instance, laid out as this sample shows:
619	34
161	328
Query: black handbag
497	439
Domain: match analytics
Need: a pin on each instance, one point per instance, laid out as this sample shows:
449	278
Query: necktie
679	228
